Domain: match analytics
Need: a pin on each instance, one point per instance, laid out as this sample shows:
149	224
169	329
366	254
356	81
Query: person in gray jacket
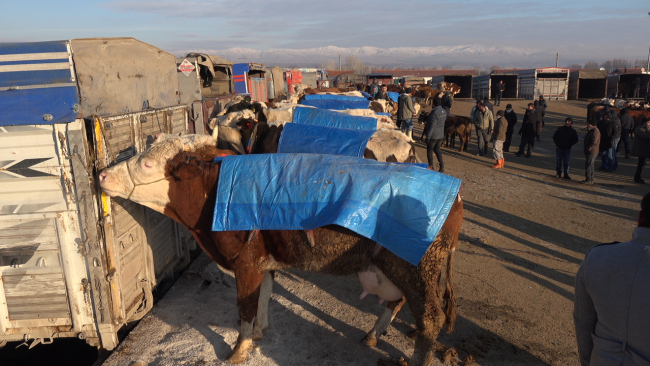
405	112
434	131
484	122
612	300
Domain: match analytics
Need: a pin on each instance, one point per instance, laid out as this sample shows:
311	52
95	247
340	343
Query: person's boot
497	164
410	134
442	169
503	163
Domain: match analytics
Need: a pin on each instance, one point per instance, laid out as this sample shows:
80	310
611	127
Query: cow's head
145	178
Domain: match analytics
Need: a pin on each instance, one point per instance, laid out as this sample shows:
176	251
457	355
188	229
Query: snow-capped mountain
456	56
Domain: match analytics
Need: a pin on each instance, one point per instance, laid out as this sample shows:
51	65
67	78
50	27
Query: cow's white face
142	178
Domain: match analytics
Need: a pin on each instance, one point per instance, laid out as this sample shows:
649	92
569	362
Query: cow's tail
450	296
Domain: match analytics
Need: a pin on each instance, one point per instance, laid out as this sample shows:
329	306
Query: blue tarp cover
324	117
337	104
332	96
400	206
309	139
366	95
394	96
37	81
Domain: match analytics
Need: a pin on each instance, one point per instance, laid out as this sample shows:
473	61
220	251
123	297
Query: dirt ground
524	235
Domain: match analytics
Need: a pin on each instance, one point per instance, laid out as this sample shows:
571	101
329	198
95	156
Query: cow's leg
384	320
249	282
262	318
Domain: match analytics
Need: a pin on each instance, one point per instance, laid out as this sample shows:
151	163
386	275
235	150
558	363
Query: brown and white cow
180	181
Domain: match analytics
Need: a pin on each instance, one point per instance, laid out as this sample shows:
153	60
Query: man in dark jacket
564	138
488	105
540	106
627	125
405	112
641	147
447	102
499	93
591	150
434	131
527	130
637	87
511	117
616	137
606	127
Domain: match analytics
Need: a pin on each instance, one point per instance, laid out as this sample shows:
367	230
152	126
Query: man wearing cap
511	117
499	94
405	112
484	123
435	132
591	150
527	131
611	302
498	137
564	138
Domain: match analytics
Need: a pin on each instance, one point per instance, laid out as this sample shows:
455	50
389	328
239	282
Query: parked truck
74	262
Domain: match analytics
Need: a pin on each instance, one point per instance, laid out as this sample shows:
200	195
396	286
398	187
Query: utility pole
340	62
557	60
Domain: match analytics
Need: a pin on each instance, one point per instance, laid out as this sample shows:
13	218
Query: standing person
447	102
564	138
511	117
484	123
637	87
541	106
591	150
527	130
606	127
500	88
383	94
498	138
489	105
405	112
610	310
627	125
474	109
373	88
616	137
641	148
435	132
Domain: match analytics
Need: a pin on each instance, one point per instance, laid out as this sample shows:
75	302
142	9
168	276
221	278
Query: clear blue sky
595	29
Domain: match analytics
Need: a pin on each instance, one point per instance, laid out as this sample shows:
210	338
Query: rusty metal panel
123	75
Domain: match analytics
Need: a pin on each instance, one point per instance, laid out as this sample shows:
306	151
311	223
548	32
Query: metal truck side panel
123	75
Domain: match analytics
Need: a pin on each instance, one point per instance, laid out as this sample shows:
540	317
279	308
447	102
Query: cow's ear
186	171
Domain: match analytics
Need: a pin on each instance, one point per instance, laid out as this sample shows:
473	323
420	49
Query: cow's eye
147	164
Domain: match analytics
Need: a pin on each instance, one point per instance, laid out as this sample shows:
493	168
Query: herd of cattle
177	176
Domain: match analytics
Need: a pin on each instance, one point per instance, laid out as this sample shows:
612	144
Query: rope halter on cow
128	169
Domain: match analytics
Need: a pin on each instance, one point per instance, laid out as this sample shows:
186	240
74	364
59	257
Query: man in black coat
564	138
627	125
527	130
637	87
540	106
499	93
606	127
488	105
511	117
434	131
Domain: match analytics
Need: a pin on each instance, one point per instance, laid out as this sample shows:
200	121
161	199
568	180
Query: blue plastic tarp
327	118
365	95
394	96
400	206
37	83
339	105
310	139
333	96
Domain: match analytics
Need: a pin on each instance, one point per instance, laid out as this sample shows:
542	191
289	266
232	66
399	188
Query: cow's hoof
258	335
370	341
236	358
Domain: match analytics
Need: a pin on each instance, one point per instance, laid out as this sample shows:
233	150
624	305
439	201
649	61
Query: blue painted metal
29	94
240	78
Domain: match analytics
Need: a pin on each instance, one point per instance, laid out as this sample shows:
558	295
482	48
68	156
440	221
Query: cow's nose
102	176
